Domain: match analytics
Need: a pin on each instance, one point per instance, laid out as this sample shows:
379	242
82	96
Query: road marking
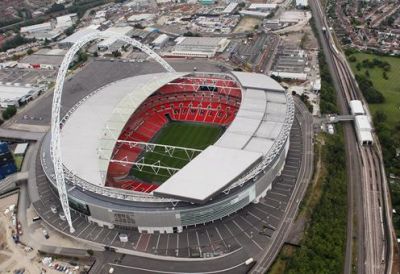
219	234
230	232
248	236
116	234
198	241
177	245
102	229
166	249
83	230
137	243
174	272
158	240
209	239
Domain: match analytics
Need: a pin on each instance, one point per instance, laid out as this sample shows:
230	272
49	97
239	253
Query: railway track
375	250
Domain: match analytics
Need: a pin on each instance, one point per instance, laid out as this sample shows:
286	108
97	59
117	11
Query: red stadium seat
180	100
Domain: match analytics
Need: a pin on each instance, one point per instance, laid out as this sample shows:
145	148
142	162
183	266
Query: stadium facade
110	132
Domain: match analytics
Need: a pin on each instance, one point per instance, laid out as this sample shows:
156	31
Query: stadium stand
187	99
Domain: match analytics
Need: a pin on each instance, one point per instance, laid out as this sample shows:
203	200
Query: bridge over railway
332	119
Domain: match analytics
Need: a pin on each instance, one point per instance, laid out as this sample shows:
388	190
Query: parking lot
93	76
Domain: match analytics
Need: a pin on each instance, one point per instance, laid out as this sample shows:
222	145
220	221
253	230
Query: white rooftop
85	137
356	107
256	80
9	93
87	146
75	37
210	172
363	123
20	148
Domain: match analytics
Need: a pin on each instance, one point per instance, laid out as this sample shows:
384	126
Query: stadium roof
87	147
89	135
210	172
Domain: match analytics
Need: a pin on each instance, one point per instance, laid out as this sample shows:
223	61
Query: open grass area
180	134
388	125
390	88
18	161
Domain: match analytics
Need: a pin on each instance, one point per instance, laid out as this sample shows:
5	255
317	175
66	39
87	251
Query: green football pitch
179	134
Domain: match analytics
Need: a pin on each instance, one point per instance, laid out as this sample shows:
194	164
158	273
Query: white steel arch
56	106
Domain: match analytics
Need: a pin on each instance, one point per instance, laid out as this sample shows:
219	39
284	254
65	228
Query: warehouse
43	59
77	36
160	41
112	44
203	47
16	95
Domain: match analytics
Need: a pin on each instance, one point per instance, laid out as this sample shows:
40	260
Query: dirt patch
247	24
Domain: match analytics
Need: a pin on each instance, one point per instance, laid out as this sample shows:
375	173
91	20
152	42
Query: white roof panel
210	172
259	144
356	107
232	140
104	109
362	123
269	129
257	81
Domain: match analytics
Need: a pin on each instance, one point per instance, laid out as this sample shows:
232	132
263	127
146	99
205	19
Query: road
366	184
306	171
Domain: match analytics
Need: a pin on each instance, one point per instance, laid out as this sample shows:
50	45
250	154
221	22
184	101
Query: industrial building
66	21
290	63
302	3
41	31
204	47
160	41
230	8
73	38
15	95
30	30
7	163
43	59
136	18
112	44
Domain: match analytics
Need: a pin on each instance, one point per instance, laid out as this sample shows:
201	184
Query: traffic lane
136	264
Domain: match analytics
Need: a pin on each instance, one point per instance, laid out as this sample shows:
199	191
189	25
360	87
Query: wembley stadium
160	152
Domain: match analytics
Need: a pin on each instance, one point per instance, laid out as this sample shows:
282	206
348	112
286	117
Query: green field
390	88
181	134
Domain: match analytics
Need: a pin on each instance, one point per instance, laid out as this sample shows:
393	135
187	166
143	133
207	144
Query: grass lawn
182	134
390	88
18	161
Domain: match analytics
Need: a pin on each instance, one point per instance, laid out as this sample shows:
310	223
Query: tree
82	56
352	59
379	117
116	53
90	252
9	112
56	7
29	51
69	31
385	76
